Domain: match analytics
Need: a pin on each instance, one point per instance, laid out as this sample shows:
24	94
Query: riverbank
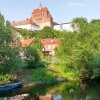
51	74
38	75
67	90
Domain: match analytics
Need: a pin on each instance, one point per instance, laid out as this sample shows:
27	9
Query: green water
64	91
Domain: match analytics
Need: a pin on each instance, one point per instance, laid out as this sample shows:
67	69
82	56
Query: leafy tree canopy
9	56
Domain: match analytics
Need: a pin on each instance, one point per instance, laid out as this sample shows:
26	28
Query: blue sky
61	10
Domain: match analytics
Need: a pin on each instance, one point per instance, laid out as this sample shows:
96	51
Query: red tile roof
27	42
43	9
48	45
23	22
50	41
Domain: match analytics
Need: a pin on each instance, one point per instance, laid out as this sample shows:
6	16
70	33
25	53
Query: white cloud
75	4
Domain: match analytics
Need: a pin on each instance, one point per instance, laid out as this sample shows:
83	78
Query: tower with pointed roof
40	6
42	17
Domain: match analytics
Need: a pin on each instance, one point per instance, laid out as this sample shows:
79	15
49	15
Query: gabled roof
50	41
27	42
38	10
55	23
22	22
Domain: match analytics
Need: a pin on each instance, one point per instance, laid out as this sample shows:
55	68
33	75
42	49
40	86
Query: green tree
9	56
95	24
78	49
26	33
32	58
47	32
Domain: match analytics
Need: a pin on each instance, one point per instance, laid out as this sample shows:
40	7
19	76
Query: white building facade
64	27
26	24
31	27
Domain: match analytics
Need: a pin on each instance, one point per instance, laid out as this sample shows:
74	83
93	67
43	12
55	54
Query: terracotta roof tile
43	9
27	42
50	41
48	45
23	22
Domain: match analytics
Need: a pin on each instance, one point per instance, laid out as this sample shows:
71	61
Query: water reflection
45	97
17	97
57	97
41	97
66	91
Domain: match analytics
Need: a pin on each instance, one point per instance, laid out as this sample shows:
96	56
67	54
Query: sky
63	11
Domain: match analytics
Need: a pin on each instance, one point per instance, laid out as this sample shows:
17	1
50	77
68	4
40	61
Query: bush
6	78
42	74
32	58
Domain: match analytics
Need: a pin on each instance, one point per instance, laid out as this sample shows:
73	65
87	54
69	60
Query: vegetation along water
77	60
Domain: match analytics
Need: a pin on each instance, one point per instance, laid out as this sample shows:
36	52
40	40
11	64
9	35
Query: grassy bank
38	74
48	74
65	72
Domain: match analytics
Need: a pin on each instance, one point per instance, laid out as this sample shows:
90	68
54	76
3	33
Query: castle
40	18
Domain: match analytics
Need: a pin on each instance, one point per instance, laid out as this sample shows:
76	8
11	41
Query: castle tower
42	17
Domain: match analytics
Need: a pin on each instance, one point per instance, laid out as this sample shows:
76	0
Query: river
70	90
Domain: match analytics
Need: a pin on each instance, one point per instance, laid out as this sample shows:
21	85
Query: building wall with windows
48	45
42	17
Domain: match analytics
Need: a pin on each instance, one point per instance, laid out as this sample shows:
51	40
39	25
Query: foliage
6	78
96	65
37	45
78	49
47	32
42	75
79	52
95	24
26	33
9	54
32	58
66	72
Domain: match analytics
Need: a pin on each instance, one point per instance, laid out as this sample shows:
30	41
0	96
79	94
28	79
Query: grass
42	74
70	74
38	74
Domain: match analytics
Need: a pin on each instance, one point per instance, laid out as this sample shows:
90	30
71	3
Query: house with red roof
40	18
24	44
27	42
49	45
26	24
